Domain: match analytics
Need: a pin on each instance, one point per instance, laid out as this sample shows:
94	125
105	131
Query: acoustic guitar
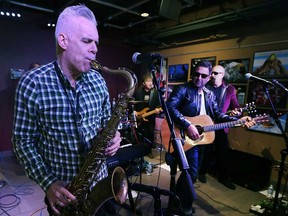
206	129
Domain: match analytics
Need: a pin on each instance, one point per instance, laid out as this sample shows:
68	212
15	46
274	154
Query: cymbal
137	102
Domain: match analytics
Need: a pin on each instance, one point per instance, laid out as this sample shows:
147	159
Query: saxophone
90	201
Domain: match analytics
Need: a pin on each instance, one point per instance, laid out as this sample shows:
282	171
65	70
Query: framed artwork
270	63
241	93
257	93
270	126
235	69
178	73
169	90
212	59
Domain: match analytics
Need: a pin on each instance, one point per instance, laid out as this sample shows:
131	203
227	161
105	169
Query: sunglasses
215	73
202	75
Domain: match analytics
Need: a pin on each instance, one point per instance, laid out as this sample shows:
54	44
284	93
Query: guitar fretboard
223	125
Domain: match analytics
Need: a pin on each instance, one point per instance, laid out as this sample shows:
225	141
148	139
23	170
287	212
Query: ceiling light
10	14
50	24
144	14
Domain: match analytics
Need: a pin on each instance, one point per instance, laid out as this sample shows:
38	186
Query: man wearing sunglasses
226	100
189	100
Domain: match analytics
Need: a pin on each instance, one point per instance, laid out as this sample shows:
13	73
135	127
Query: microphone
250	76
138	58
280	85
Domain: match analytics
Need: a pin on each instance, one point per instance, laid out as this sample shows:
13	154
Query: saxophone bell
114	186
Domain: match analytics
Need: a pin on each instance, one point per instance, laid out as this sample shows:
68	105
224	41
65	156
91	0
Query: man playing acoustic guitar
189	100
226	99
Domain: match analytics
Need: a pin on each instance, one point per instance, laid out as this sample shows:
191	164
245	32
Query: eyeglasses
216	73
202	75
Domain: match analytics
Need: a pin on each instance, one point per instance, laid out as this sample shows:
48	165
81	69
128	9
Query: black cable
6	206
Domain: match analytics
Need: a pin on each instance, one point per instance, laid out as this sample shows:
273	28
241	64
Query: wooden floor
22	197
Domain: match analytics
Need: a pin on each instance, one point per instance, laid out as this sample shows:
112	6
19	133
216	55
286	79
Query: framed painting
270	63
241	93
169	90
212	59
257	93
178	73
235	69
270	126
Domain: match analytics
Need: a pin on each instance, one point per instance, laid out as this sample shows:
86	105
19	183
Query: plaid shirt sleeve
26	134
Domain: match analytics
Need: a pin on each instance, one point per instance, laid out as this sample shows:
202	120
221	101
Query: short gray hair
73	11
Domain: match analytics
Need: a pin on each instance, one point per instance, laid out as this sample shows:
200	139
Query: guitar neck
148	113
223	125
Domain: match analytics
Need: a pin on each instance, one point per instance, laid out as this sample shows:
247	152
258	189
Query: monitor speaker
250	171
170	9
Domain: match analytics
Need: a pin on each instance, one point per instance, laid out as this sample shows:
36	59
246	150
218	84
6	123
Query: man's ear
62	41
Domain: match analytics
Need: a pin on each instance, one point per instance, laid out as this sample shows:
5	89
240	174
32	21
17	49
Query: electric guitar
206	129
249	107
141	115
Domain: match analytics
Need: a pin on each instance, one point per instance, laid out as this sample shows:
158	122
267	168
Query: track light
51	24
9	14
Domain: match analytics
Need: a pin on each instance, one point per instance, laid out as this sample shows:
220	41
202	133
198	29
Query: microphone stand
178	154
283	152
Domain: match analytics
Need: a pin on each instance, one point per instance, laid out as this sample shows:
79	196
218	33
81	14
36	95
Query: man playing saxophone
60	107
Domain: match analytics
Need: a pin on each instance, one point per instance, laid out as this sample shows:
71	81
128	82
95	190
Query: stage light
51	24
144	14
10	14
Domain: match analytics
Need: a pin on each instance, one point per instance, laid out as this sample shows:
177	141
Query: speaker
170	9
250	171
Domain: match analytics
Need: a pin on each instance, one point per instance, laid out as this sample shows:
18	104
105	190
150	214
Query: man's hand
59	196
249	121
114	145
236	112
192	132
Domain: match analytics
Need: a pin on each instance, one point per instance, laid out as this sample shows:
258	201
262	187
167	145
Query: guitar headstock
250	108
261	118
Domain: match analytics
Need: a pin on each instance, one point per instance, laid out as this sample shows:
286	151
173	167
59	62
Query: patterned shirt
54	124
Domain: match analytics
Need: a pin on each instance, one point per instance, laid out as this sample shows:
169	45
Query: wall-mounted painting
269	126
194	61
241	92
271	63
178	73
257	93
235	69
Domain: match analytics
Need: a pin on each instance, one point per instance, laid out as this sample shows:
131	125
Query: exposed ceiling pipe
215	20
130	24
116	6
129	8
31	6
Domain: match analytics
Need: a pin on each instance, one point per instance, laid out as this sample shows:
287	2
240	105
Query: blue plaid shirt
45	135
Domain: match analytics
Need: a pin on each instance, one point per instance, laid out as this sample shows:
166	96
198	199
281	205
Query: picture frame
241	93
257	93
178	73
169	90
235	69
270	63
270	126
194	61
